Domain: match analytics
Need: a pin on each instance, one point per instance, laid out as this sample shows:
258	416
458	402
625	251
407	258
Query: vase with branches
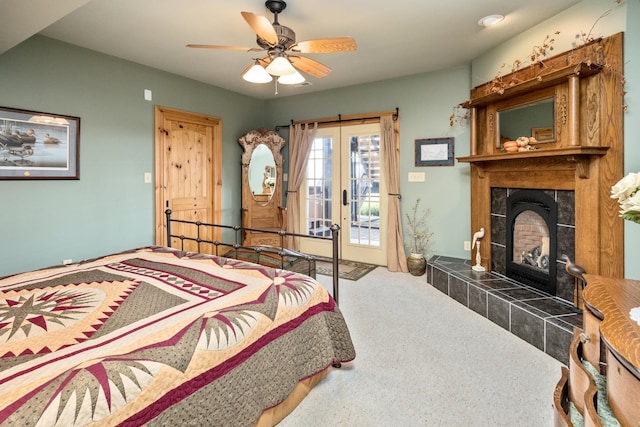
418	231
419	237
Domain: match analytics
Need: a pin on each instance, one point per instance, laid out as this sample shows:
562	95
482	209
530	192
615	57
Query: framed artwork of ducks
36	145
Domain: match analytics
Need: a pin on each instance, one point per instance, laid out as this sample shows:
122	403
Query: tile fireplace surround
542	320
564	230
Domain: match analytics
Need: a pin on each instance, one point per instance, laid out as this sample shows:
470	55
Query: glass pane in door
318	186
364	190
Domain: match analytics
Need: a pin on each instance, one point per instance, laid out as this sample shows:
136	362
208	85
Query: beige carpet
349	270
424	360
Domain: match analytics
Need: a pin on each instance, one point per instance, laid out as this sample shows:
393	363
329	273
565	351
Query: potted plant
419	237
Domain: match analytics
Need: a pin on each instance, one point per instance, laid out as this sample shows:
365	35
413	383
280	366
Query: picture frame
434	152
544	134
37	145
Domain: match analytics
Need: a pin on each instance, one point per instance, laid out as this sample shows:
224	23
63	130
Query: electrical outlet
467	245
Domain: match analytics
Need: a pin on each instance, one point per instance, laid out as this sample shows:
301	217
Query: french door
343	185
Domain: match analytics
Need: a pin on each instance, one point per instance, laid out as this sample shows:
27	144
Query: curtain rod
283	126
341	120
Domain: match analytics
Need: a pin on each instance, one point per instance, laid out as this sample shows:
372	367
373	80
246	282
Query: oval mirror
534	119
262	173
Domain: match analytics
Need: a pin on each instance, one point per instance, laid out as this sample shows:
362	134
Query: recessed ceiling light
490	20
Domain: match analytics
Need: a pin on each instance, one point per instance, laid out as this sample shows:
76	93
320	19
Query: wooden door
188	170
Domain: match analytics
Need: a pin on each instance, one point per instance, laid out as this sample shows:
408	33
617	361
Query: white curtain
389	146
301	138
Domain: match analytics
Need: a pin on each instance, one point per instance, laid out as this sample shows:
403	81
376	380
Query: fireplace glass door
531	241
532	218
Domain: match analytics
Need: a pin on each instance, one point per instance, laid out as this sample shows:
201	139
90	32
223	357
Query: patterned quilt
156	336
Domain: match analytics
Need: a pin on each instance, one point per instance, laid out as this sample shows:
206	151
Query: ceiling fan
283	58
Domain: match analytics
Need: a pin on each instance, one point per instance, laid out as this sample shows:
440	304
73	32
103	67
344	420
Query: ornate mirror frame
262	211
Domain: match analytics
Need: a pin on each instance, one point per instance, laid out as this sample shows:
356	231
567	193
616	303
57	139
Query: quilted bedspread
155	336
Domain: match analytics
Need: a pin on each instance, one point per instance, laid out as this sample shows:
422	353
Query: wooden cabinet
607	352
262	187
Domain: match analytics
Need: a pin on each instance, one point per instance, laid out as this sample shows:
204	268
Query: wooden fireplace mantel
585	154
581	156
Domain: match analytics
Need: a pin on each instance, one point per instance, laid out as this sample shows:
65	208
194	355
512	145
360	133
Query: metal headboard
280	250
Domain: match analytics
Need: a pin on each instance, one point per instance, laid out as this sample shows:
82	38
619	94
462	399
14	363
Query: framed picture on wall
35	145
434	152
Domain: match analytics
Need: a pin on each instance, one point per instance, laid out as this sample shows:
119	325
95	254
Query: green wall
110	208
425	102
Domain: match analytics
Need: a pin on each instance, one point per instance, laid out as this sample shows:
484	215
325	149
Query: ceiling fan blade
213	46
261	26
328	45
309	66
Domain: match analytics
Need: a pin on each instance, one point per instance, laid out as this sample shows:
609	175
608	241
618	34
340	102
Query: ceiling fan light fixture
257	74
280	66
490	20
291	79
284	55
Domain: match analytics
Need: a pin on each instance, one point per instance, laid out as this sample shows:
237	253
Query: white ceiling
395	38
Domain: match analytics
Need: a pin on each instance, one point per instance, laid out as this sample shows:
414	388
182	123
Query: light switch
147	95
147	177
416	176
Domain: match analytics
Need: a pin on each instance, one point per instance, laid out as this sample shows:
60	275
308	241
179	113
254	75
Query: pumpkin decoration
523	143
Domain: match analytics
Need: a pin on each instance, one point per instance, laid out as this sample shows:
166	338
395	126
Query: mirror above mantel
535	119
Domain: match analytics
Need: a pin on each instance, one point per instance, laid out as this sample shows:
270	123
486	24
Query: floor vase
417	264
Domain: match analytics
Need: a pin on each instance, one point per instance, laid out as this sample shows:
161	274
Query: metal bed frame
280	252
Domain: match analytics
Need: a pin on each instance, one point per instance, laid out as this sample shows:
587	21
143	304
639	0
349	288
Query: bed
162	336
